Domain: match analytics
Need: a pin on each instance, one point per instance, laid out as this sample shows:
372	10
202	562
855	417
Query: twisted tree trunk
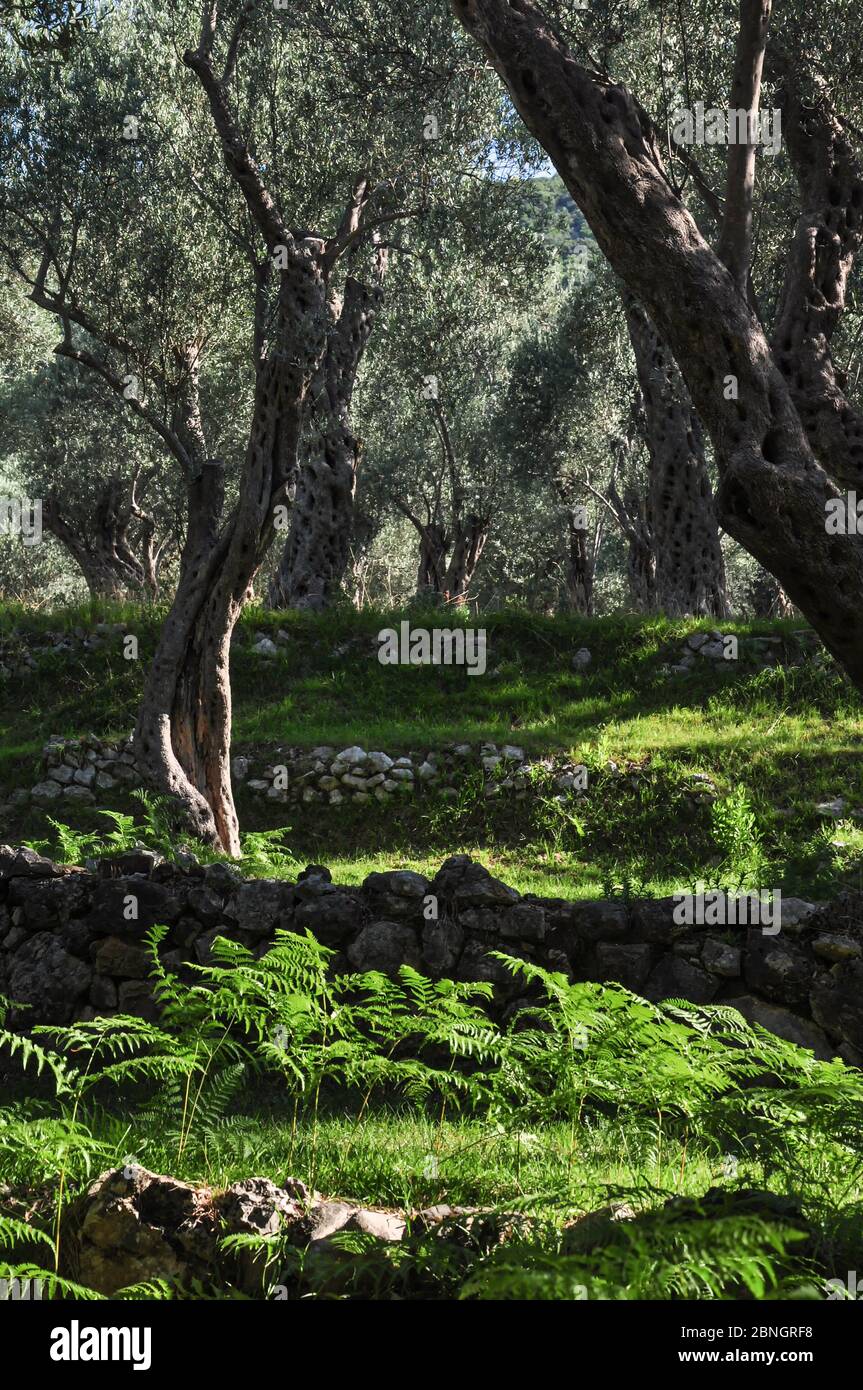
183	733
434	545
316	554
690	569
580	566
773	493
99	541
470	538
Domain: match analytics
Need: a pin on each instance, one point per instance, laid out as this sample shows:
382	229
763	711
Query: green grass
402	1094
790	737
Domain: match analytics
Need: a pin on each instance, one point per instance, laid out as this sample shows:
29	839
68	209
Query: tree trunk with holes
434	544
772	493
769	599
98	540
183	734
580	566
315	558
470	539
690	569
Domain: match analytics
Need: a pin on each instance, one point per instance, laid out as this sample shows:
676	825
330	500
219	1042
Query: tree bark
772	494
471	536
100	544
681	515
579	568
183	733
434	544
315	557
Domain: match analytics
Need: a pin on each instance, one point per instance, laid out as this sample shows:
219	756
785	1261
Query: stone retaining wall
78	769
68	949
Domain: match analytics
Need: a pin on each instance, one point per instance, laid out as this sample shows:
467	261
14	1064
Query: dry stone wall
68	949
80	769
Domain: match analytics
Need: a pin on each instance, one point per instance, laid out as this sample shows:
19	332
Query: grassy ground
408	1099
773	742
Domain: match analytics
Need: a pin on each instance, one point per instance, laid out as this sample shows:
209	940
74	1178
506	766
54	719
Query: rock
783	1023
443	942
524	922
697	640
582	659
61	773
778	969
385	946
352	757
131	1230
78	794
137	997
265	647
427	772
383	1225
654	922
331	915
205	905
595	1228
103	994
510	753
257	1207
257	784
837	1002
240	768
834	810
721	959
324	1221
85	776
673	977
595	921
463	883
396	896
114	956
46	791
45	976
477	965
834	948
256	906
402	774
379	762
26	863
624	964
155	904
795	912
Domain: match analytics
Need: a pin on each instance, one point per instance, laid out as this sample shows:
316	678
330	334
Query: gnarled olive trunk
690	569
434	544
580	566
114	563
183	734
315	557
772	493
470	538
